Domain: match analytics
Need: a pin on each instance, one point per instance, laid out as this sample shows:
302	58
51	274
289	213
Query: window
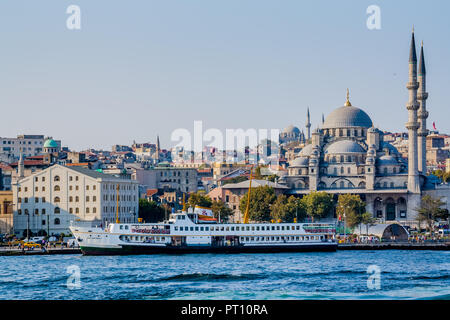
87	198
77	199
77	210
43	211
94	210
56	178
87	210
57	221
71	210
57	188
94	198
57	200
57	210
36	211
87	187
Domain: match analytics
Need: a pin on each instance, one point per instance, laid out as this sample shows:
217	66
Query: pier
395	246
37	252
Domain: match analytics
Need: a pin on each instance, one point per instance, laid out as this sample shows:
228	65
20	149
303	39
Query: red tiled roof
151	192
30	163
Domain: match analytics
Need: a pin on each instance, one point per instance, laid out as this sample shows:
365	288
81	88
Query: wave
211	276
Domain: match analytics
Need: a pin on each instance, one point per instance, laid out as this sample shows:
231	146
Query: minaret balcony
413	106
412	85
412	125
422	114
422	95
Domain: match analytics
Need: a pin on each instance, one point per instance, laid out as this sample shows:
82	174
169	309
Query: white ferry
192	232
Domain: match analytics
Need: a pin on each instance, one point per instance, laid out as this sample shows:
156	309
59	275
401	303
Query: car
31	245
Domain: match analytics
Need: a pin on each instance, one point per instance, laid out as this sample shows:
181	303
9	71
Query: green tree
317	204
199	199
220	208
150	211
368	220
286	209
430	211
352	207
261	200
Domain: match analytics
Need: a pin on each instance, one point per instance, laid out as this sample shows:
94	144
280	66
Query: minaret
157	149
422	114
21	167
412	125
323	118
308	125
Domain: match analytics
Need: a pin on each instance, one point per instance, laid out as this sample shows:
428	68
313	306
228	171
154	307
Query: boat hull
136	249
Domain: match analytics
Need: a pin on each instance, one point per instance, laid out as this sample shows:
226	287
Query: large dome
291	129
347	116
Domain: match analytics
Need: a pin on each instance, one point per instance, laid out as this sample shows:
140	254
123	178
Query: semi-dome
50	143
387	161
347	116
306	151
291	129
344	146
299	162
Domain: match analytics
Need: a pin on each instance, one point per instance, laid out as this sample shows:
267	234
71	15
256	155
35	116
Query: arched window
56	200
57	221
71	210
56	188
70	199
26	211
348	170
56	178
36	211
77	199
77	210
335	171
385	170
342	184
43	211
342	170
94	210
394	170
57	210
385	185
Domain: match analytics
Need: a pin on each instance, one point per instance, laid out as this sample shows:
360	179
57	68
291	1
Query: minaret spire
422	114
412	125
157	149
308	125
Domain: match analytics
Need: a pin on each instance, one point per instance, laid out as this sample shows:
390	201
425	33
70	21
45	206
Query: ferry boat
191	232
198	231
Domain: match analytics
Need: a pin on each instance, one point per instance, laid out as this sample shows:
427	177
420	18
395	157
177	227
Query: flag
434	126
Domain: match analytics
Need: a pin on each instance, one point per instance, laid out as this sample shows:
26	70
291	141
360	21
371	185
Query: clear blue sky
139	68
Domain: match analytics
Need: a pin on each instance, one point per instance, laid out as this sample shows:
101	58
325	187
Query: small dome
291	129
390	147
347	116
387	161
50	143
344	146
306	151
299	162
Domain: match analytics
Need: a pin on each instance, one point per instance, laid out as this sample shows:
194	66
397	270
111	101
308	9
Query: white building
49	200
28	145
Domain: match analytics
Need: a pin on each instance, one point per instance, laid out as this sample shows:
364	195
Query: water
338	275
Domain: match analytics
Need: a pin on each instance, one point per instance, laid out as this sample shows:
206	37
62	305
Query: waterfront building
6	211
47	201
347	154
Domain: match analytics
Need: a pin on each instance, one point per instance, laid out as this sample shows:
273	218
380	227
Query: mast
248	198
117	204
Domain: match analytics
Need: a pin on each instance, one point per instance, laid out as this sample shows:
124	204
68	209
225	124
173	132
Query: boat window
237	228
296	238
278	227
262	228
273	227
176	228
126	227
272	238
267	238
298	227
232	228
196	228
257	228
192	228
206	228
201	228
242	238
227	229
293	228
248	228
252	239
282	227
278	238
253	228
246	239
121	227
221	228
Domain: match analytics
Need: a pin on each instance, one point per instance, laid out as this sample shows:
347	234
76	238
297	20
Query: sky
137	69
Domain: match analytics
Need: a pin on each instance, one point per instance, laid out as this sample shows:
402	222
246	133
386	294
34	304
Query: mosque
347	154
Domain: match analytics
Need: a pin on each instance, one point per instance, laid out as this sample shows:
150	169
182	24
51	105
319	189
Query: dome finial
347	103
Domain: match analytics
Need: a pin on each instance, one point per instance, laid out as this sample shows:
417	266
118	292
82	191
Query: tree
261	200
317	204
352	207
368	220
286	209
430	210
150	211
199	199
234	180
220	208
